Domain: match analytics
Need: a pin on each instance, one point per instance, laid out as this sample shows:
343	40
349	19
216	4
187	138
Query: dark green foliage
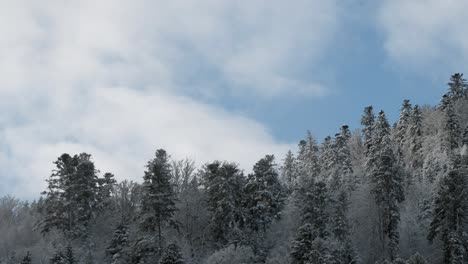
172	255
367	121
118	243
457	86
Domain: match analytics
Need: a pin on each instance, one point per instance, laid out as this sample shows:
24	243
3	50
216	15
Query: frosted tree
307	158
386	184
172	255
367	121
118	243
158	196
73	197
401	131
449	217
289	172
264	197
457	86
451	128
415	134
416	259
341	229
342	170
224	186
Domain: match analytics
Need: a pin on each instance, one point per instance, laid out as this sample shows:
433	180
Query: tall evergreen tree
342	168
457	86
289	172
264	195
450	213
387	184
307	158
401	131
451	128
118	243
73	197
158	196
224	186
367	121
415	133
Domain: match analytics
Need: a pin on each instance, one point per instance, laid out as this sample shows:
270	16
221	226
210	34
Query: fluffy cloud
425	31
112	78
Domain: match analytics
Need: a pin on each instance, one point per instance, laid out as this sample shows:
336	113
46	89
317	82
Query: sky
207	79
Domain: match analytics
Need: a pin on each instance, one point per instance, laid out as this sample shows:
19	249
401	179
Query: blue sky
207	79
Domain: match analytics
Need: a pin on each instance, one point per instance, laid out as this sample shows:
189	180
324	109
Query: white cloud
425	31
105	77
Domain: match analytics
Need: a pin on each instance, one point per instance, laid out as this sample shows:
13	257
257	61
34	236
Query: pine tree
224	186
449	217
401	131
451	127
73	197
26	259
340	228
307	158
341	162
158	196
457	86
367	121
387	183
264	195
172	255
415	134
289	172
302	244
118	243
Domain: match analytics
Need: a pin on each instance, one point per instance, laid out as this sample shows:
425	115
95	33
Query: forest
381	193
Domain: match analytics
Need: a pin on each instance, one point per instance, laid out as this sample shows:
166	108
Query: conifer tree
416	259
387	184
118	243
58	258
367	121
401	131
264	195
451	128
172	255
415	133
307	158
449	216
69	256
457	86
224	186
289	172
158	196
73	196
342	168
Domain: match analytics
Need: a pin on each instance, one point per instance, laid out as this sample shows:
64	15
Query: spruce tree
457	86
449	216
367	121
451	128
158	196
172	255
307	158
401	131
224	186
342	170
264	195
387	184
415	133
118	243
69	256
289	172
73	197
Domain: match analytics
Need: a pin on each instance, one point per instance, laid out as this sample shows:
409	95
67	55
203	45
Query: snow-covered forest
380	193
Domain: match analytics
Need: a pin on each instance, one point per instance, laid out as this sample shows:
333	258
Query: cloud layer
119	79
422	32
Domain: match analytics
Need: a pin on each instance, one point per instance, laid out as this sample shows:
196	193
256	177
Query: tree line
378	194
